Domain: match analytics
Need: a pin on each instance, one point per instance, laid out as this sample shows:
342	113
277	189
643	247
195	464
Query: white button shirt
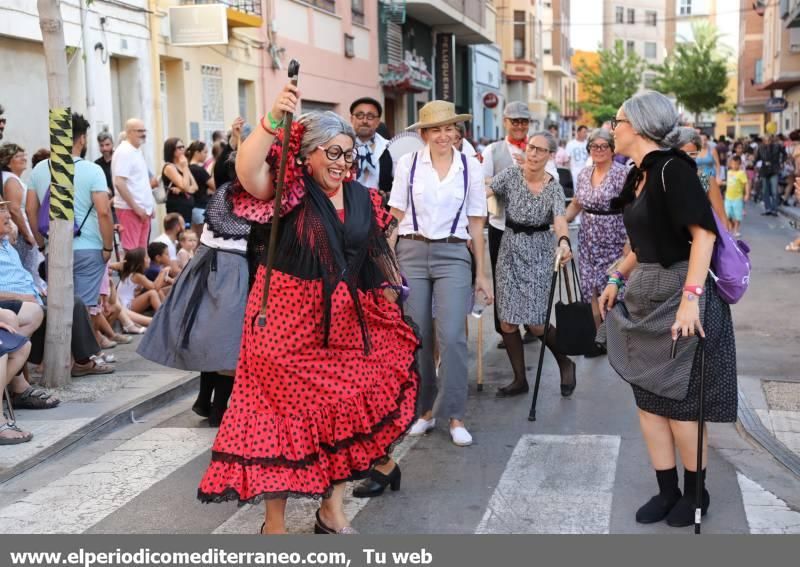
436	201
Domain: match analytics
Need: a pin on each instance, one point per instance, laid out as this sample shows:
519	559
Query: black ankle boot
377	483
682	514
659	506
202	405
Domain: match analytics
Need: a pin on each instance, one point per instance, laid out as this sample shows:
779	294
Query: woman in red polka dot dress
328	385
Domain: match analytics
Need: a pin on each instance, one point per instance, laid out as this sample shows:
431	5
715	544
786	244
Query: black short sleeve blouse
671	201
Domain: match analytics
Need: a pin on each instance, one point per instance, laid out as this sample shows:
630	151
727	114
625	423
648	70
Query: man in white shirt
134	196
374	160
496	157
578	154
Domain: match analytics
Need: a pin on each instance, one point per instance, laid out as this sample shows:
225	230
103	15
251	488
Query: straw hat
438	113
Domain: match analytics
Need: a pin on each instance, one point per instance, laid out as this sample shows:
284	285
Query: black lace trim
308	460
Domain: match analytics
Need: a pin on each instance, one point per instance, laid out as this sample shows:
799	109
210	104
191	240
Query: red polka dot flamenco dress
328	385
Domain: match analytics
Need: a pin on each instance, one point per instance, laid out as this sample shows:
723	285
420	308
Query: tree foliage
696	72
616	78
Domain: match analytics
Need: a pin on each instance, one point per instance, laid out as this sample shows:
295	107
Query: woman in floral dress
601	237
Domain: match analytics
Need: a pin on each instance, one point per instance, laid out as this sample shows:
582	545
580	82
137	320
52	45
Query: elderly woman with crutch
670	300
533	201
326	381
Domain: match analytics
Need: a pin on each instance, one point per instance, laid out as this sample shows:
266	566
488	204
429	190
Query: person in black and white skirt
533	199
199	326
669	297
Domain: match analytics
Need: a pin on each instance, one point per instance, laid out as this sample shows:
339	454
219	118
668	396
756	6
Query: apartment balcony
520	70
241	13
471	21
790	13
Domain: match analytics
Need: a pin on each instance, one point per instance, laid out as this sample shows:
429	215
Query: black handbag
575	327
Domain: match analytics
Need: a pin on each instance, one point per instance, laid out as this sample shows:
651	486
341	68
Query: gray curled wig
683	136
552	144
321	128
652	115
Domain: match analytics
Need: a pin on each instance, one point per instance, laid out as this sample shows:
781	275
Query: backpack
730	263
43	218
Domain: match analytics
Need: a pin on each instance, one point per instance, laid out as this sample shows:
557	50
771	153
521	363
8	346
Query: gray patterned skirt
199	326
639	346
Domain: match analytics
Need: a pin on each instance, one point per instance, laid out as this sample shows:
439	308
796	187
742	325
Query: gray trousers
440	277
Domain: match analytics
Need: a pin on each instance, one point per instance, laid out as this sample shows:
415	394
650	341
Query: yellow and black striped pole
62	168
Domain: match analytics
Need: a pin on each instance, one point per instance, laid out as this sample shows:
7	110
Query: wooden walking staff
288	118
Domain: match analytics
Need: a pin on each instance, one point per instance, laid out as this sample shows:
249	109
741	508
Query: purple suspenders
411	194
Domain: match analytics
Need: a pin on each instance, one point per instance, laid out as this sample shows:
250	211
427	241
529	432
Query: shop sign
445	67
490	100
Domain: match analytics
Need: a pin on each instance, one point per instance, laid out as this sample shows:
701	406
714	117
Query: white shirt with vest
436	201
370	174
498	156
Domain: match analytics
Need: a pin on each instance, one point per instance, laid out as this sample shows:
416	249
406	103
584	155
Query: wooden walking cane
288	118
556	267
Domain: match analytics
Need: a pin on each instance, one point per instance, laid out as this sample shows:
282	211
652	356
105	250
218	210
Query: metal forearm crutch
556	267
288	118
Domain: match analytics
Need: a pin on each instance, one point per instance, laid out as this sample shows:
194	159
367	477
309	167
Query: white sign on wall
201	24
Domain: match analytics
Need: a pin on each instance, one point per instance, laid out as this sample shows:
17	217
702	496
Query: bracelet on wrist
268	130
619	275
107	249
617	282
274	124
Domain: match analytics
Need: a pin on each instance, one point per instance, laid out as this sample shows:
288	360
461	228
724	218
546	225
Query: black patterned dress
524	262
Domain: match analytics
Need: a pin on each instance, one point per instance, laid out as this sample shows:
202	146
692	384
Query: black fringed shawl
314	244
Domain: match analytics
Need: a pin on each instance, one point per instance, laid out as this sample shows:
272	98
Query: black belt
599	212
527	229
448	240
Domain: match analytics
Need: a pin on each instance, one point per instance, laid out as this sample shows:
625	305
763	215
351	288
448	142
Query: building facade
108	64
559	88
641	27
781	61
425	53
750	97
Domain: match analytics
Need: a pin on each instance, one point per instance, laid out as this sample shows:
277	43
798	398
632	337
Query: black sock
668	482
206	388
223	386
690	483
516	355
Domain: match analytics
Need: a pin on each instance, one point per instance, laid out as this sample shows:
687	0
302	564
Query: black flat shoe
598	350
567	389
321	529
512	390
201	409
657	508
682	514
501	345
377	483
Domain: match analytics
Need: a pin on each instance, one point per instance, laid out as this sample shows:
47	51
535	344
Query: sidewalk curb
793	213
755	429
108	421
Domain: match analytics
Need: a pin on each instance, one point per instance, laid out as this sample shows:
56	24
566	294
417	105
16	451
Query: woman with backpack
670	300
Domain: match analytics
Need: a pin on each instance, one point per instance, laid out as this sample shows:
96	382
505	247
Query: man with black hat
374	161
498	156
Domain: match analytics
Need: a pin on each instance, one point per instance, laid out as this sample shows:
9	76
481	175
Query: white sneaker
421	427
461	436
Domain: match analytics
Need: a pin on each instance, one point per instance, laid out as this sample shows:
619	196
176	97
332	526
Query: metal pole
556	267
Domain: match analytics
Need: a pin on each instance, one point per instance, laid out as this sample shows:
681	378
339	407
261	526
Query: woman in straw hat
439	201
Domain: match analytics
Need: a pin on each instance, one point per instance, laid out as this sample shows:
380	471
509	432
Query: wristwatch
693	291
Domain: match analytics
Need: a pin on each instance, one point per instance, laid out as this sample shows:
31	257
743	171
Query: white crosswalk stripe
85	496
555	484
